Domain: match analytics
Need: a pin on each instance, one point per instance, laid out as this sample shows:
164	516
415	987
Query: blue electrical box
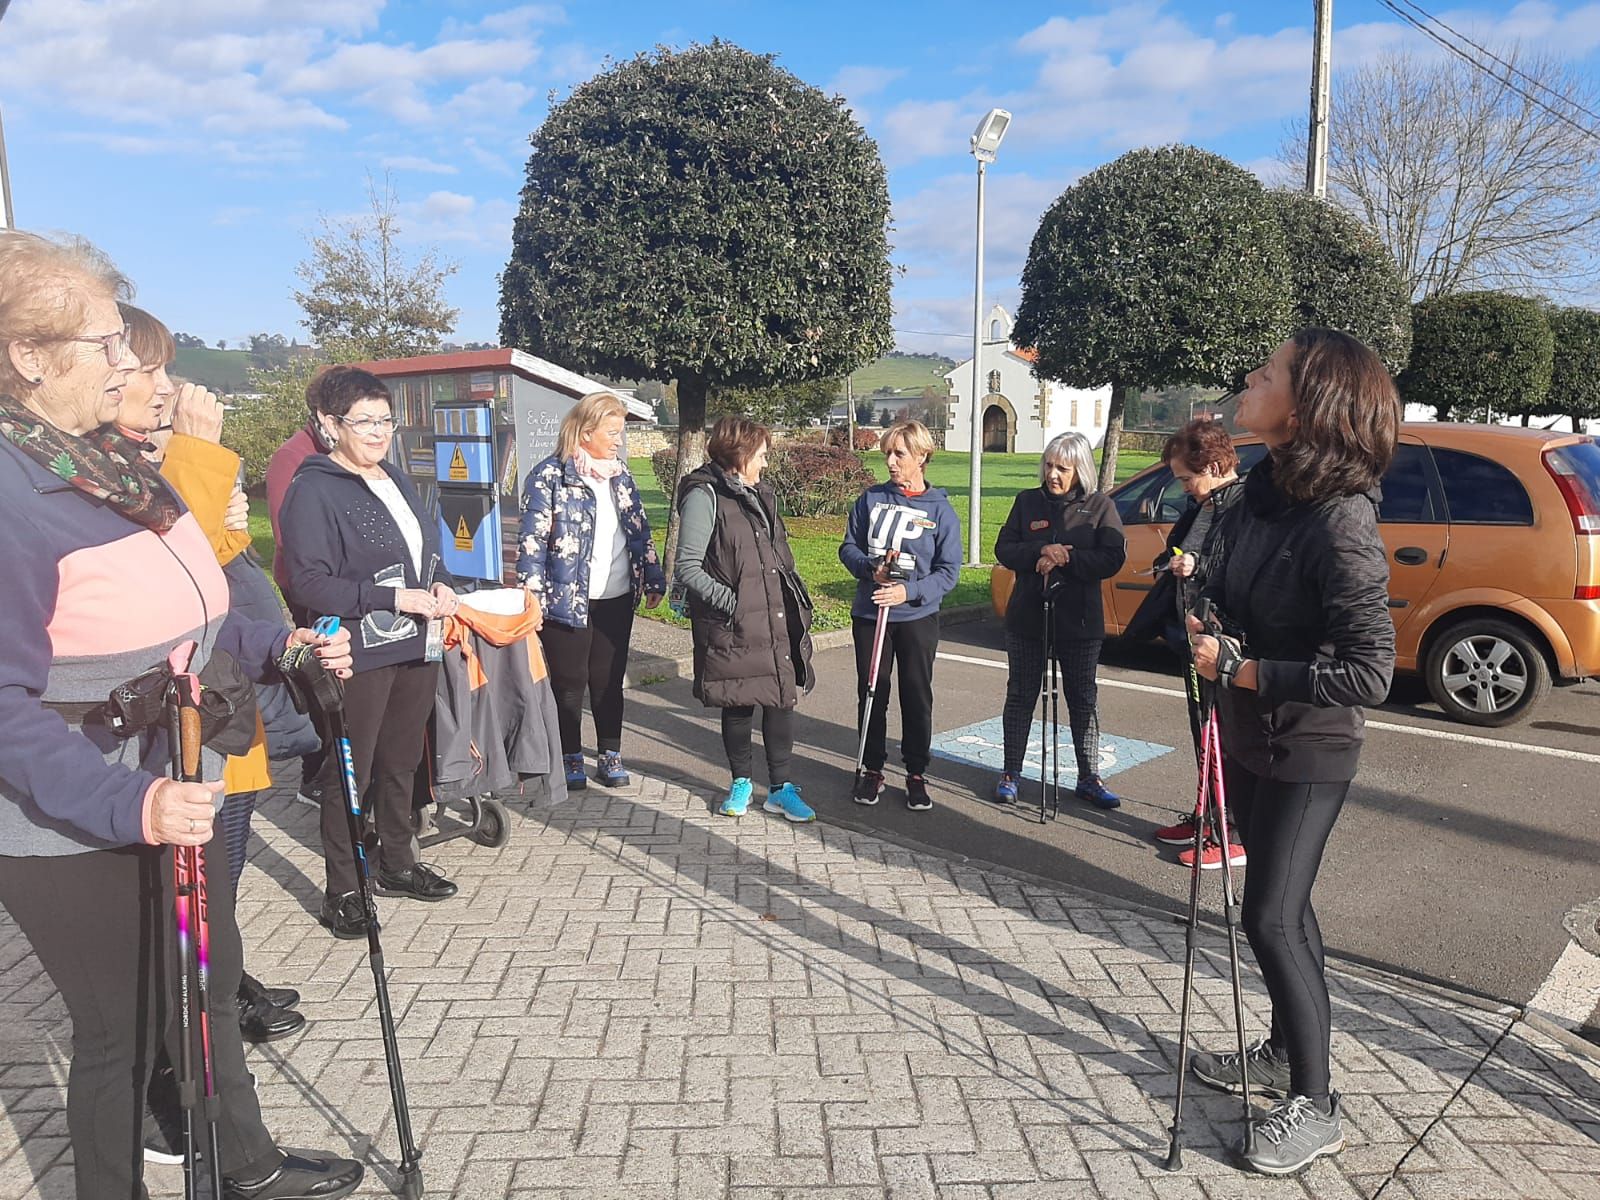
469	532
463	444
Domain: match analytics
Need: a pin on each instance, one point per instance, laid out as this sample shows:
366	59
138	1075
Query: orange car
1494	559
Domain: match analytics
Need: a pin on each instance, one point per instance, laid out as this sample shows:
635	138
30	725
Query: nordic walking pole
1047	684
1202	790
1219	807
410	1156
872	689
194	938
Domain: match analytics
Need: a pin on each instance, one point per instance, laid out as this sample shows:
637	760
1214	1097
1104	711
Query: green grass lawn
815	540
220	370
903	372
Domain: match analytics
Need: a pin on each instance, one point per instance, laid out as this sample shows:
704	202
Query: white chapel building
1019	414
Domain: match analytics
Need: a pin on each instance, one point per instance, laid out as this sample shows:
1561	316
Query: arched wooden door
996	433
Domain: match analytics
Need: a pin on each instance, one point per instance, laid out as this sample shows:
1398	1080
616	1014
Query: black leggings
592	659
386	710
1286	826
910	645
777	739
101	924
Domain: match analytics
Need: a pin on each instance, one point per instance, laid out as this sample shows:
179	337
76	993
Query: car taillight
1586	591
1583	504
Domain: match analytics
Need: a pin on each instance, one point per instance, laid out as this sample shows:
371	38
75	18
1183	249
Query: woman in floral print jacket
586	559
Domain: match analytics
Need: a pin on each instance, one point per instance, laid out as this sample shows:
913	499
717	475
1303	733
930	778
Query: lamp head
990	133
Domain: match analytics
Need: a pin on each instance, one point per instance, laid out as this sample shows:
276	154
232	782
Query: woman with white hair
1064	536
586	559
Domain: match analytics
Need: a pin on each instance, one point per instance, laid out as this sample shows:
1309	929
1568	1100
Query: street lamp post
986	141
7	221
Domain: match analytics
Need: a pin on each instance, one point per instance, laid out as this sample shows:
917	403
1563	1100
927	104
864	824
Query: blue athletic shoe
786	801
738	799
577	779
1005	792
1096	793
609	769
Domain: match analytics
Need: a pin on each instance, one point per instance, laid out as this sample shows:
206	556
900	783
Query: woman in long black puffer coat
749	611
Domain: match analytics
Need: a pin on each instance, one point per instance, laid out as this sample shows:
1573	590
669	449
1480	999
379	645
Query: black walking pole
303	663
1211	802
194	940
896	571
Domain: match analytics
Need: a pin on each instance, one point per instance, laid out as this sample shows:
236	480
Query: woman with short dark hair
1062	537
1306	640
749	612
359	544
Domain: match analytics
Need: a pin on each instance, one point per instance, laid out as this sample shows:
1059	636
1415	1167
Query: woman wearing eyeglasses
358	543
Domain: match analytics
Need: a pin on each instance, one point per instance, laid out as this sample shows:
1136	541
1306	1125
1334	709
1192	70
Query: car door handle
1411	556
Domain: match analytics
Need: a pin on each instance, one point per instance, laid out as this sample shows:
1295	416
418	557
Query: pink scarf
596	468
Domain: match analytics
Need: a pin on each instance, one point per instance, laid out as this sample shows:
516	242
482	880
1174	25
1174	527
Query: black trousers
910	645
1286	826
777	739
102	925
592	659
237	810
1077	661
386	710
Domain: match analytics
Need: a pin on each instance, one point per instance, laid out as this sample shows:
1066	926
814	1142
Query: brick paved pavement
637	998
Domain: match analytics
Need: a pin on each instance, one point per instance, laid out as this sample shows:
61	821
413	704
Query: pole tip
1174	1155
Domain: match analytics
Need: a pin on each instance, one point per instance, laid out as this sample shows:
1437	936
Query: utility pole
850	412
1317	135
7	218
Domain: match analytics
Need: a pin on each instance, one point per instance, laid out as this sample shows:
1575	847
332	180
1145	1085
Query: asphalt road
1454	860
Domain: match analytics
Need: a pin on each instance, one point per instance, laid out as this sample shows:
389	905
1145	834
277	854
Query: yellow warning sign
463	534
458	468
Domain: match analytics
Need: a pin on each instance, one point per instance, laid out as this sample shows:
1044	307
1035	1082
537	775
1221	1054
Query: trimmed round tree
702	216
1474	354
1164	267
1343	277
1575	367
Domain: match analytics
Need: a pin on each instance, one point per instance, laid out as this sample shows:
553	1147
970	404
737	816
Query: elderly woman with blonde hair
108	573
586	559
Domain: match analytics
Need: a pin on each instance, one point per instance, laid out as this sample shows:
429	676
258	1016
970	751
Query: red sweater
285	462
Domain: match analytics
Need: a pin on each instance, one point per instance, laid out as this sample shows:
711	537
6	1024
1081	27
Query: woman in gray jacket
750	614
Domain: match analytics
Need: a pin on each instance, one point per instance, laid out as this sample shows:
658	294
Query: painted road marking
982	744
1438	735
1572	989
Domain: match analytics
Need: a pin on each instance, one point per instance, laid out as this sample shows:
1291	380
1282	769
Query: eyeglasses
114	344
366	425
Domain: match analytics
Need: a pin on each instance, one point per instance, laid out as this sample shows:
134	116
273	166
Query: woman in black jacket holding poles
1306	639
1066	536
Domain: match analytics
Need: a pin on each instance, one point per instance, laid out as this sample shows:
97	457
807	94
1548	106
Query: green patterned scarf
102	463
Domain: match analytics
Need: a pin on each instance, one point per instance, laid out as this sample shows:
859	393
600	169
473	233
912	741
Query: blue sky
200	141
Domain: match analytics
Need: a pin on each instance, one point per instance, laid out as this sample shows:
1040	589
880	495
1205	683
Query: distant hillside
905	373
224	371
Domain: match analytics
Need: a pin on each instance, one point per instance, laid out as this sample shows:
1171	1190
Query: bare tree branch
1469	183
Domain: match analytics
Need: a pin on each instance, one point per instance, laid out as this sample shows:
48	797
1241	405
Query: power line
965	337
1538	83
1471	61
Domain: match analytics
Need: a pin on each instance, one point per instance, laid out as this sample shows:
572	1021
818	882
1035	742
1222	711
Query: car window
1138	504
1407	492
1478	491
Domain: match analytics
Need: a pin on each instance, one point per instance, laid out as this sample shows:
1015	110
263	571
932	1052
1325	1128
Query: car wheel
1486	672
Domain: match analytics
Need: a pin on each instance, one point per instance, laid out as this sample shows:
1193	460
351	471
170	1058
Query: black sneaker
868	785
261	1022
301	1176
917	798
344	915
416	882
1269	1074
278	997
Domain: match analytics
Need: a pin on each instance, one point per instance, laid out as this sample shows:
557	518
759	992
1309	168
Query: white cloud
416	162
857	83
236	214
917	129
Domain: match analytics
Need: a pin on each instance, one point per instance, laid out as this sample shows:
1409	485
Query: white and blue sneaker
785	801
738	798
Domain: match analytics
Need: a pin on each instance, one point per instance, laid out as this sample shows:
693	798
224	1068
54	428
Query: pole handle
189	730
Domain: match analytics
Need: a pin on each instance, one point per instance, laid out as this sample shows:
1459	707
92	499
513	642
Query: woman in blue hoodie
907	522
